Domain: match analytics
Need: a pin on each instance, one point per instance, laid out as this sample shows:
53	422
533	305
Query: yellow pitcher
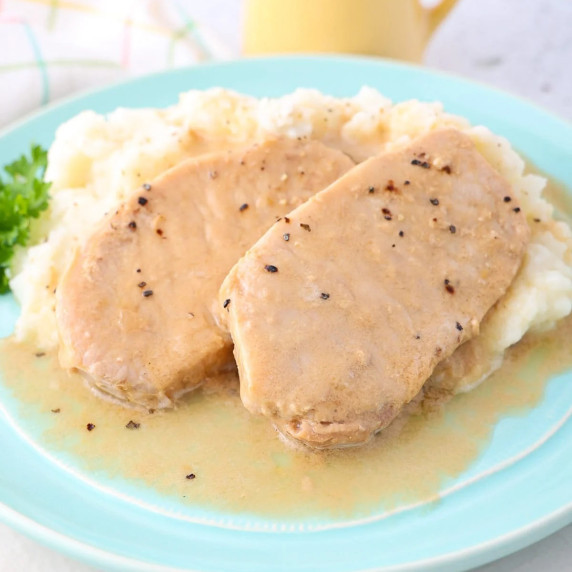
391	28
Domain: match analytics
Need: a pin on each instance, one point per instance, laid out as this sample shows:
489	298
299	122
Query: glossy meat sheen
135	308
382	276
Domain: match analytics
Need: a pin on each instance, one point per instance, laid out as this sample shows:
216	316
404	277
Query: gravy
242	466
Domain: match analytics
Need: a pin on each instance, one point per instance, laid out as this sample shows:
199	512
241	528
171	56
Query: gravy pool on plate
239	464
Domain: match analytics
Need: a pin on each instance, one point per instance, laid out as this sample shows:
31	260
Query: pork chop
341	311
135	307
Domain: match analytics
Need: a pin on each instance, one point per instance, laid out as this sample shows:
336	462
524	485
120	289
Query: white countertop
522	46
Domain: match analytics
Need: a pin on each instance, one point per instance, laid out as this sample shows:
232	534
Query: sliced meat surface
135	309
342	310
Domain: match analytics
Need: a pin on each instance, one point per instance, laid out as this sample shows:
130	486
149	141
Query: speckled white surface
522	46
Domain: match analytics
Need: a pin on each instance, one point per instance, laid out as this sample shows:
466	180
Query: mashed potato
96	160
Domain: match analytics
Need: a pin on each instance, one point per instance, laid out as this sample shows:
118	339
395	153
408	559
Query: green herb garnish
23	196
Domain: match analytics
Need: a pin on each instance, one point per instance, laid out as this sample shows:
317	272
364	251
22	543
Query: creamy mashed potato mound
96	160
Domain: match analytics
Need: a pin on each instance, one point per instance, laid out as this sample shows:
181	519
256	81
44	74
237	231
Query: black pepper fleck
142	201
286	220
133	425
417	337
270	268
406	182
459	327
419	163
138	270
434	202
142	284
305	226
226	303
452	229
516	209
401	233
191	476
243	207
371	189
450	288
446	169
132	225
147	293
90	426
324	295
507	199
286	236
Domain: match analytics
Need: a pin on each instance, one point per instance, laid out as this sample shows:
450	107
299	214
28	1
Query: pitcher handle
439	13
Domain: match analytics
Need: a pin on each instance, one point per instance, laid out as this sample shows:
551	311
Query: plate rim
517	539
305	57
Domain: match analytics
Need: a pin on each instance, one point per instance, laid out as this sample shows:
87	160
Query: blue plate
526	492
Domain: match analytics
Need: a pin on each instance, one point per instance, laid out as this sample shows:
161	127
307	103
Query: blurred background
51	48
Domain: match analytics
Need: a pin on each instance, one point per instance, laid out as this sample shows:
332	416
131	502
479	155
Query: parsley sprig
23	196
